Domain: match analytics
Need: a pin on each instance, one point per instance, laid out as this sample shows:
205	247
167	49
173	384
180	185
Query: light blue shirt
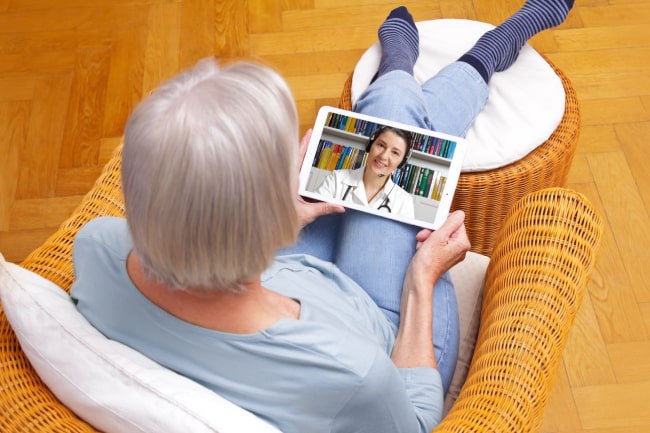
328	371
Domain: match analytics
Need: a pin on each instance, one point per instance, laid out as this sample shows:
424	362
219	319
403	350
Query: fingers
304	144
329	208
454	222
308	212
423	235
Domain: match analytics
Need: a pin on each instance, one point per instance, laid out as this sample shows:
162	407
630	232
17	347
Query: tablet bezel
447	194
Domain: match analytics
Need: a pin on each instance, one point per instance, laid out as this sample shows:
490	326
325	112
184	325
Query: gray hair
209	174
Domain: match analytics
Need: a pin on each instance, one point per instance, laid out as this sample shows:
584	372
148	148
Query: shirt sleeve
391	400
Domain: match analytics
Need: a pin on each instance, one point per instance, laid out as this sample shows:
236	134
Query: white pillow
468	277
525	105
111	386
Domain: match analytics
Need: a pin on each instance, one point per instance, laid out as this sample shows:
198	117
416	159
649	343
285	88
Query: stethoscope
384	204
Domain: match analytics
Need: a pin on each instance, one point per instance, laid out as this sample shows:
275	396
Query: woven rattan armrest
535	282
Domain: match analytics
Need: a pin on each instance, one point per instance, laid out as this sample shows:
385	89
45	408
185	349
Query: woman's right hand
437	251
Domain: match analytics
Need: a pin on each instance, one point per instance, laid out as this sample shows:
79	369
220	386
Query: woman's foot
498	49
400	42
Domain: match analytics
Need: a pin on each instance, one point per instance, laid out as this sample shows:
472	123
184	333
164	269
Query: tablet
347	161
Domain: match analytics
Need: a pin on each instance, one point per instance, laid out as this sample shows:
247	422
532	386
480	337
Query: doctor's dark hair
209	175
403	134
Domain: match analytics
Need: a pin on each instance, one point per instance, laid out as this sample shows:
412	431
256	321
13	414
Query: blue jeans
374	251
448	102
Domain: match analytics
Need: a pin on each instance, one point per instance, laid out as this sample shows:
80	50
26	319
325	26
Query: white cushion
468	277
525	105
111	386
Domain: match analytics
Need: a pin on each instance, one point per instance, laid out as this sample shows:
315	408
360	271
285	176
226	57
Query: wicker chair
535	282
546	166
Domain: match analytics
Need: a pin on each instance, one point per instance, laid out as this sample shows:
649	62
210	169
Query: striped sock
400	42
498	49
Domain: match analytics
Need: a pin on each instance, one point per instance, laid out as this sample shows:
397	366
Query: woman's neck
249	310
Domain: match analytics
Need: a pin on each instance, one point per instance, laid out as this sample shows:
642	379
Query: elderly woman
345	329
191	277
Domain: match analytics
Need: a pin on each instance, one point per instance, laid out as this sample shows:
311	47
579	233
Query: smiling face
386	153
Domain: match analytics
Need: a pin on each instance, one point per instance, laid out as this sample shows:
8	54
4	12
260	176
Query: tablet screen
382	167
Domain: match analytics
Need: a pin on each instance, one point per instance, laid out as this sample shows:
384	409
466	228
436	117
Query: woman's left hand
308	211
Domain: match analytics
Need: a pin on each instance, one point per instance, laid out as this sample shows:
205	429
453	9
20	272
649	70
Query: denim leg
447	102
454	97
395	96
317	239
376	252
446	328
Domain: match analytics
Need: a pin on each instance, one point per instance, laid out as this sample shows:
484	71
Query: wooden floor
71	73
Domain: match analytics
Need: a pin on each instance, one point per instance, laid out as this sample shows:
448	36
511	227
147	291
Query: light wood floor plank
630	361
610	289
613	110
197	31
635	138
15	245
645	312
586	351
267	16
561	414
45	212
90	16
162	49
14	121
40	155
615	15
76	181
598	138
85	109
612	85
351	15
71	72
614	406
580	171
232	39
126	75
18	88
627	215
602	38
309	41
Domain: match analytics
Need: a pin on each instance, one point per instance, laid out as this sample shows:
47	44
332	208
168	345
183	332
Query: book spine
423	183
427	188
325	155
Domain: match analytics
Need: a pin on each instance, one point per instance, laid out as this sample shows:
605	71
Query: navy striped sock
400	42
498	49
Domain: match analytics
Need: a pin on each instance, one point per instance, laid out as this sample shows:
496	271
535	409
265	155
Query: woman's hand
308	211
437	251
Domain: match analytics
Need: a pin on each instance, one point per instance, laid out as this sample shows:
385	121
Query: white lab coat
339	181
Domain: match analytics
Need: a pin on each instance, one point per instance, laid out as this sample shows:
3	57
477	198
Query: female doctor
372	185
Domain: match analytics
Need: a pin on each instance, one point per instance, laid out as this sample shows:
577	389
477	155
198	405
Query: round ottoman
524	139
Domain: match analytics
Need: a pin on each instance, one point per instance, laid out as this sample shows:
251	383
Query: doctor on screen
372	185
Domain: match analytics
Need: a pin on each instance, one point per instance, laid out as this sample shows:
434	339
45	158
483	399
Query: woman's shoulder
101	225
104	233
